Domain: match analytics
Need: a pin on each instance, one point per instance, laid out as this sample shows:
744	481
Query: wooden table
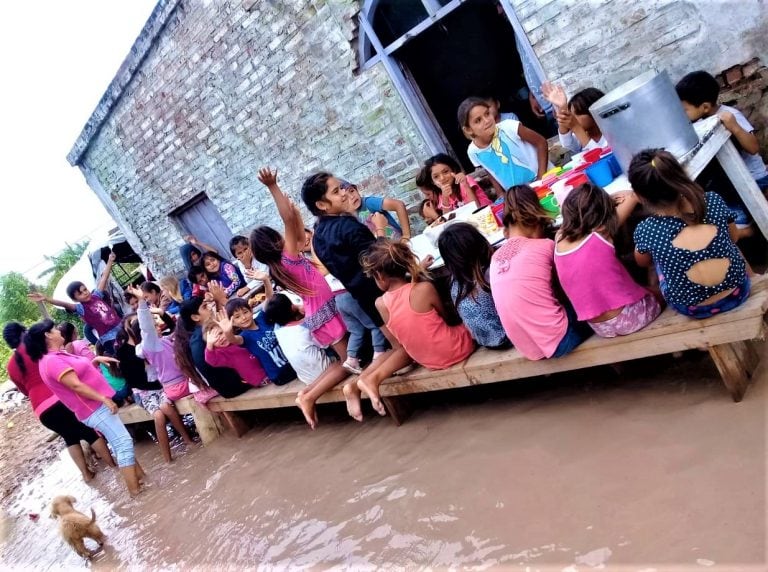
715	142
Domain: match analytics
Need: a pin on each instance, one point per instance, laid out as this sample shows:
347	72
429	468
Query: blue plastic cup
600	172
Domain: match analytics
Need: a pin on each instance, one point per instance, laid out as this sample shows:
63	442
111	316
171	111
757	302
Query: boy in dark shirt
340	239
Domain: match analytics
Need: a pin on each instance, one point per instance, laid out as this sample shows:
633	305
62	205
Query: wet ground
653	469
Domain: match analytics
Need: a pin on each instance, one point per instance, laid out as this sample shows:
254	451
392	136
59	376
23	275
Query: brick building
214	89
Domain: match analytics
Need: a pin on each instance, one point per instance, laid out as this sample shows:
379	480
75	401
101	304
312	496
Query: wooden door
201	219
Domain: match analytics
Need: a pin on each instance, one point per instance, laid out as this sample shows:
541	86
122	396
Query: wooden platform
728	337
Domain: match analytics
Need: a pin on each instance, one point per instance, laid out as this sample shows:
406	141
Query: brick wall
604	43
228	87
745	86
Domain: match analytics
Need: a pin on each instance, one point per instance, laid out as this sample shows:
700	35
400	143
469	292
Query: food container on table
641	114
600	173
592	155
615	167
498	210
550	204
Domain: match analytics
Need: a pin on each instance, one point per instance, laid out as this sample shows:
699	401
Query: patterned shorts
632	317
151	399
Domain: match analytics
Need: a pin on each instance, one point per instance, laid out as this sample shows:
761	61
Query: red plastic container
577	179
497	209
592	155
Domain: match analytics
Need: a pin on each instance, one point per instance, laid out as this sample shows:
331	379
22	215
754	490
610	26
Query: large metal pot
644	113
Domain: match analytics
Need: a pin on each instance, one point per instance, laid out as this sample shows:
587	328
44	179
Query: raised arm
285	209
201	246
102	285
226	327
398	207
40	297
150	340
542	152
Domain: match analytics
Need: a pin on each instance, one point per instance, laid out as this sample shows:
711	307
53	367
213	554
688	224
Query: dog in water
75	526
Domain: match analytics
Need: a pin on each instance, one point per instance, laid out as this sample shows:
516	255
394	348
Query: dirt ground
25	448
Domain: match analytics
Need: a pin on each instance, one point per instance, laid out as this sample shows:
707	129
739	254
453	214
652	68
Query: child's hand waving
224	322
256	275
555	94
267	177
136	292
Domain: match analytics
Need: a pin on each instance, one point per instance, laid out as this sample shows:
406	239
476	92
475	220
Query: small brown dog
75	526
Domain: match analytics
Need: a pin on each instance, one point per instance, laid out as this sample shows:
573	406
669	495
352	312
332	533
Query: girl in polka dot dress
688	238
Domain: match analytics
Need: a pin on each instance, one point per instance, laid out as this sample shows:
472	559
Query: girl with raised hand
522	282
292	271
577	129
601	290
414	323
690	238
145	333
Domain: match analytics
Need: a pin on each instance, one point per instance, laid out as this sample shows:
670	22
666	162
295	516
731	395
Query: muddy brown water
653	469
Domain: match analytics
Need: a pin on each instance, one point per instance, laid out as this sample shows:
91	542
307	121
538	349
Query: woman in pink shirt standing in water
82	388
522	276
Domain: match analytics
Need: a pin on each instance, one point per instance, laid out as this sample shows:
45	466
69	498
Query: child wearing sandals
597	284
689	238
291	270
414	320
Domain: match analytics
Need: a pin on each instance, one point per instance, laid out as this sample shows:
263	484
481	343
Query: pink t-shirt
82	348
320	314
241	360
482	198
593	278
54	365
521	283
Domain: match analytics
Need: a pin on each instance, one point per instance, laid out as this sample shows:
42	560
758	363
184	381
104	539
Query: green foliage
16	307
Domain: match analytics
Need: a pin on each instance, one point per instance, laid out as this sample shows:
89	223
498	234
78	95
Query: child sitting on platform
601	290
414	320
312	364
365	208
220	352
689	238
522	275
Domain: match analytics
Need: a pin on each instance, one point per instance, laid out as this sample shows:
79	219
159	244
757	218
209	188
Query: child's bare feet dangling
352	396
372	391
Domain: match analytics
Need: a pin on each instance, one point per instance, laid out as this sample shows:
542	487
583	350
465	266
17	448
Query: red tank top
425	336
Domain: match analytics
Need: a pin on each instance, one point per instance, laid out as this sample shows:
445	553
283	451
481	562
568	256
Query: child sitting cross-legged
597	284
312	363
522	282
414	320
689	238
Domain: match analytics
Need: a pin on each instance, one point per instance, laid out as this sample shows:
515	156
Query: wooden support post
236	423
396	408
730	360
206	423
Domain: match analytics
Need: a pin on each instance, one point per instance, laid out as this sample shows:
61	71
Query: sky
57	59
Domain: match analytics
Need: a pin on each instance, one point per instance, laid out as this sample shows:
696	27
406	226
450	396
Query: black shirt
134	369
339	241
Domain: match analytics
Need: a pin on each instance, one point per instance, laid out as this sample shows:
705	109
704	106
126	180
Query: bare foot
308	409
140	475
352	396
88	476
372	391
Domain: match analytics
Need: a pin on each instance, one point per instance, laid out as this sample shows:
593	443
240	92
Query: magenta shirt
521	284
54	365
594	280
240	359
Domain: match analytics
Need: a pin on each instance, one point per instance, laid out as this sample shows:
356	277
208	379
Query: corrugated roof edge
132	62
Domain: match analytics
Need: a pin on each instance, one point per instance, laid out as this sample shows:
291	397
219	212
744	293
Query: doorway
201	219
469	51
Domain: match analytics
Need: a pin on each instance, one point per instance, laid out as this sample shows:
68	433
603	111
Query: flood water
646	471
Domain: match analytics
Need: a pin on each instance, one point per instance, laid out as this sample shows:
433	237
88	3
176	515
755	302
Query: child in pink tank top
601	290
414	323
293	272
